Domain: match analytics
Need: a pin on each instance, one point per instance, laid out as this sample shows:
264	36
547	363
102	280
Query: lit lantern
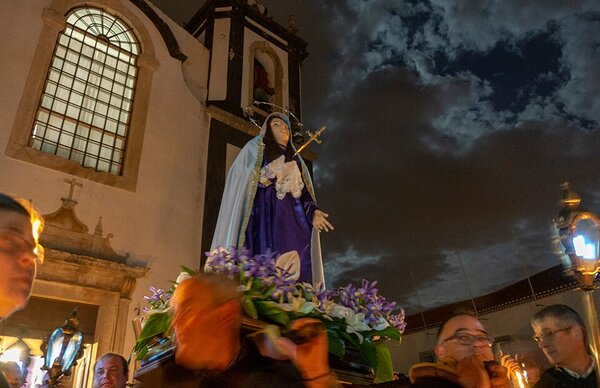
63	349
579	236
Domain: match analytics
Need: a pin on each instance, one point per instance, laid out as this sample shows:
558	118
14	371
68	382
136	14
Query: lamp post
63	349
579	234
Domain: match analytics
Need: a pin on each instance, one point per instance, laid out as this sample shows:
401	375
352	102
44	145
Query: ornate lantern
63	349
579	235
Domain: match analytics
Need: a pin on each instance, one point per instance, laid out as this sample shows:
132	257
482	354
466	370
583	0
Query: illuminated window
84	113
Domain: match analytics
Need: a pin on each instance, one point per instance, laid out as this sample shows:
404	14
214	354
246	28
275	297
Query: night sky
450	126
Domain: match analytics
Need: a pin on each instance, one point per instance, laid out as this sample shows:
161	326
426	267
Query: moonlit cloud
348	260
415	36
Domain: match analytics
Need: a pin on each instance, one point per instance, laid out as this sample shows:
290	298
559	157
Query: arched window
266	78
85	107
85	102
263	86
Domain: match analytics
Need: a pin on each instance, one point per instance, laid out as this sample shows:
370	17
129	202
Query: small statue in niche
262	91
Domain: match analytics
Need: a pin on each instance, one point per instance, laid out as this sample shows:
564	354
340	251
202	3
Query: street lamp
579	234
63	349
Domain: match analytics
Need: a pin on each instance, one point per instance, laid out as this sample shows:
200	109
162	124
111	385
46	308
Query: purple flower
398	321
367	289
159	299
379	304
348	297
261	274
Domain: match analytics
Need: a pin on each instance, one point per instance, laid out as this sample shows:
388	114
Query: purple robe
282	225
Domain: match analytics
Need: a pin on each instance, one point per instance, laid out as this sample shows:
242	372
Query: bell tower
254	68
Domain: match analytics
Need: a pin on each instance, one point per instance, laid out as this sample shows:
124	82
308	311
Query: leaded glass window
85	108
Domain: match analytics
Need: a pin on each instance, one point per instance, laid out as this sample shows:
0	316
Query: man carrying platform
465	359
211	351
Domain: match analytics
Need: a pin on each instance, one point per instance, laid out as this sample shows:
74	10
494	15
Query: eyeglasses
468	339
549	335
15	245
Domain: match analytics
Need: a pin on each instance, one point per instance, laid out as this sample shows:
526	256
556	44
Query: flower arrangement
354	316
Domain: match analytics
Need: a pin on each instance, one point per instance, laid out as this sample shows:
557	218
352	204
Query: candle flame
37	225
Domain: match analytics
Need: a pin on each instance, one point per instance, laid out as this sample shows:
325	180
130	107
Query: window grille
85	108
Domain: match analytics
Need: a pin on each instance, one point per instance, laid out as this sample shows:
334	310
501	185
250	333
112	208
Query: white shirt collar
576	375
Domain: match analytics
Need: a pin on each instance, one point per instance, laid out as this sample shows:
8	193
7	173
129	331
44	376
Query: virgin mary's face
281	131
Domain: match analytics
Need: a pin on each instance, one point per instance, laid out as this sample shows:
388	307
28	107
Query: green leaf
369	352
141	354
384	370
188	270
337	346
389	332
257	284
157	323
253	295
268	291
272	311
351	338
249	308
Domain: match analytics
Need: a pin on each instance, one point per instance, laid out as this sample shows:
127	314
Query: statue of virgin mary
269	202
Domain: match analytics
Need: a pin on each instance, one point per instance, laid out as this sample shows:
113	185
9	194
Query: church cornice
295	44
546	283
68	268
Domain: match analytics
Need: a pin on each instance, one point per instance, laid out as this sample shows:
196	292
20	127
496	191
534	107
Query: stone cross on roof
72	183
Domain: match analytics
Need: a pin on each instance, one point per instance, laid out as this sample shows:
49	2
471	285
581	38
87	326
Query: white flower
182	276
297	304
246	287
327	306
337	311
381	324
355	322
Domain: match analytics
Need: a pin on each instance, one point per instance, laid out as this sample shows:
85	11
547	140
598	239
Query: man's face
560	341
109	373
281	131
17	261
462	337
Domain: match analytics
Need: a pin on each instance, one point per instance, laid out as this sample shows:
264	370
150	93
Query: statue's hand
320	222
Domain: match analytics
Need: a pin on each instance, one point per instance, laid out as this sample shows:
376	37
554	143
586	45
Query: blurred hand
472	373
498	375
311	357
513	366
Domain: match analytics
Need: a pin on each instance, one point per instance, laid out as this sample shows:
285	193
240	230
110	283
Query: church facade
119	124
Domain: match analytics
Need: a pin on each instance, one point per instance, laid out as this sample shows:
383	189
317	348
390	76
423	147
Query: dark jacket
558	378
